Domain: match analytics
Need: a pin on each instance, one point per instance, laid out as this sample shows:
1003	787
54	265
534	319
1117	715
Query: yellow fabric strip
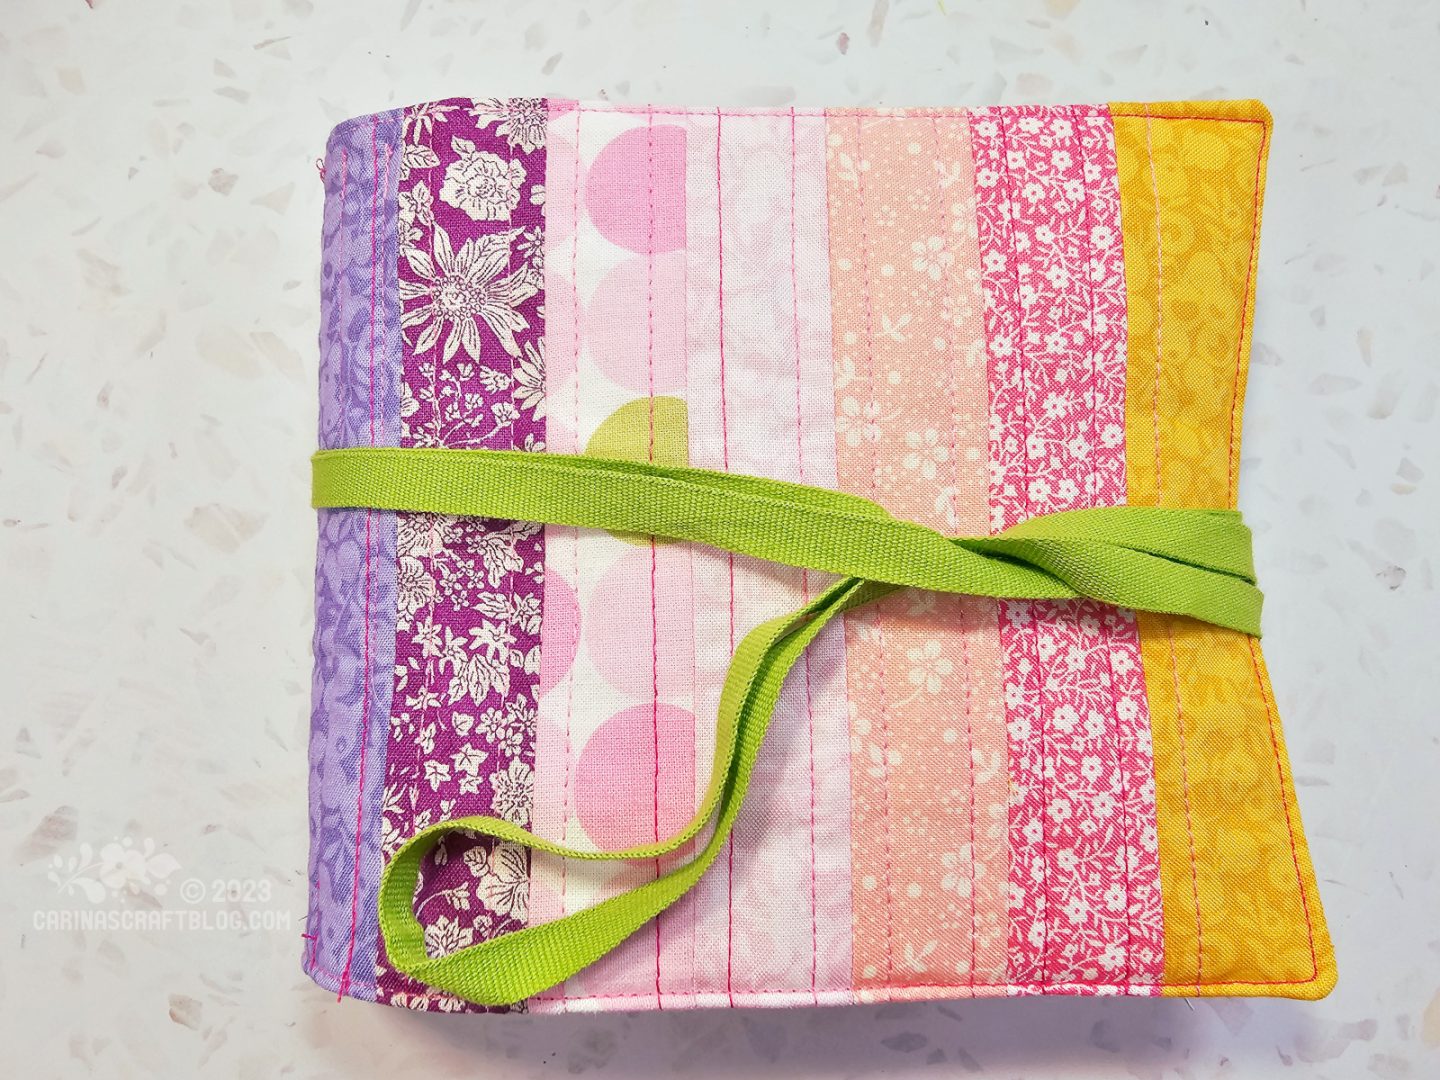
1241	910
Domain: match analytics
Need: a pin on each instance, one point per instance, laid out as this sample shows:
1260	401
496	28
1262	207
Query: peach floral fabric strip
928	746
1084	881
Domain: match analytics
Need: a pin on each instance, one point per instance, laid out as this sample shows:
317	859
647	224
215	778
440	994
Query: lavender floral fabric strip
355	557
468	591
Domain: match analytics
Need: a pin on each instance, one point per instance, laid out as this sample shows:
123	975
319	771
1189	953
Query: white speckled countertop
159	216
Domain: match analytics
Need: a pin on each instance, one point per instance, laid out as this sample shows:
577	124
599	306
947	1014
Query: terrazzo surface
159	217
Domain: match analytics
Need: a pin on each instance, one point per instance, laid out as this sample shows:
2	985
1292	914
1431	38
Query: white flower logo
120	868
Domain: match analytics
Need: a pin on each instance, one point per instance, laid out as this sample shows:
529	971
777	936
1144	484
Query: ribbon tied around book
1191	562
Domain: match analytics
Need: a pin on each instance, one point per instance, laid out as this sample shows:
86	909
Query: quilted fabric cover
969	316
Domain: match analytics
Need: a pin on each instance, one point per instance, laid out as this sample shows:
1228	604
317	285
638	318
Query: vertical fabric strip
771	918
560	630
1241	911
823	729
760	398
468	591
355	557
615	758
1084	900
928	748
716	614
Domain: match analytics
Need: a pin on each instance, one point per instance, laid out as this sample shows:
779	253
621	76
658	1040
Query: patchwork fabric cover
969	316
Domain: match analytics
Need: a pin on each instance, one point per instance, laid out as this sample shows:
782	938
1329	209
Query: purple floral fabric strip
468	591
355	558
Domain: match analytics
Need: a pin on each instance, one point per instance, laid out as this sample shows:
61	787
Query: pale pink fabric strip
559	637
929	839
1084	905
772	919
773	915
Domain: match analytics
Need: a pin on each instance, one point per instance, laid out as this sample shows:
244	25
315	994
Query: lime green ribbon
1176	561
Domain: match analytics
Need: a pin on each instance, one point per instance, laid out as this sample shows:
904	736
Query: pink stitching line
804	574
344	175
1159	496
725	458
1159	311
1285	805
654	617
1147	114
970	752
849	620
373	268
953	389
875	494
413	124
761	113
964	630
992	448
1127	747
1040	612
1076	121
1126	814
1189	820
897	112
802	995
998	606
1245	301
340	410
575	542
312	920
369	515
692	902
965	653
1250	641
1030	633
1014	202
434	519
1081	119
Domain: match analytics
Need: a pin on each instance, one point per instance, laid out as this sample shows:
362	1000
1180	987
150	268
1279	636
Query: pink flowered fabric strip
469	590
1084	885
